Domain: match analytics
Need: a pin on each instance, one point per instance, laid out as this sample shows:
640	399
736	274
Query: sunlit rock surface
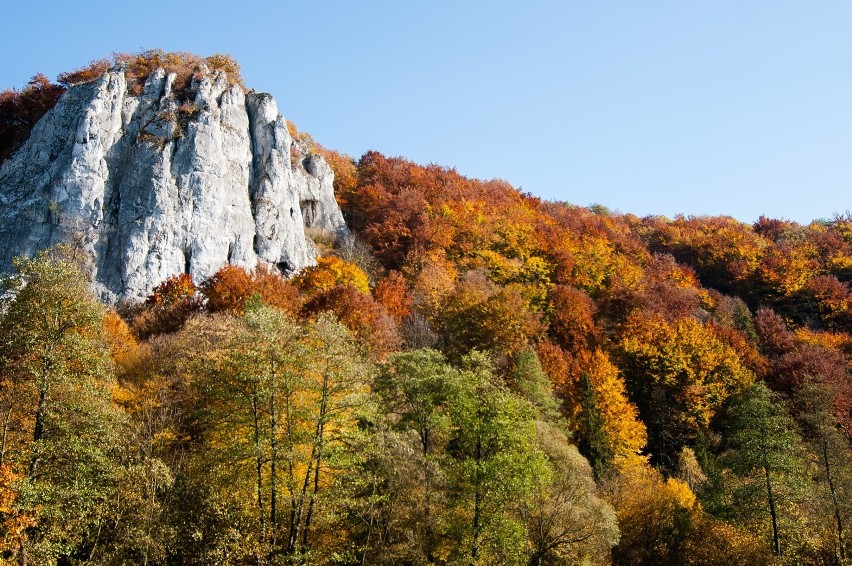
152	187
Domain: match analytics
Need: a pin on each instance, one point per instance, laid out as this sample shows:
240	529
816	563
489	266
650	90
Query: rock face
152	187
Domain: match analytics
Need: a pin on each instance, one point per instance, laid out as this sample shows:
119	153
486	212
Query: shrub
232	286
139	66
94	70
167	309
20	110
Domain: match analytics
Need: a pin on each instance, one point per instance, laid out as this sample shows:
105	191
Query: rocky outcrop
152	187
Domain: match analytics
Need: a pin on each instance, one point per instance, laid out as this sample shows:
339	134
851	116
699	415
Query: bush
139	66
167	309
94	70
20	110
231	288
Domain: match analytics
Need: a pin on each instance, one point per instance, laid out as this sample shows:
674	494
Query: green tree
531	382
830	449
496	461
415	388
566	521
61	432
594	441
766	453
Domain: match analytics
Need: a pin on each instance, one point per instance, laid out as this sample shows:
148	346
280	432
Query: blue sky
650	107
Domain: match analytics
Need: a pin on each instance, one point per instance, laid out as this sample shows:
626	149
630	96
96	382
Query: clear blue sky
651	107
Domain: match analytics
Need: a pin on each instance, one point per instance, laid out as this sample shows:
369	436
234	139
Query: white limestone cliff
151	187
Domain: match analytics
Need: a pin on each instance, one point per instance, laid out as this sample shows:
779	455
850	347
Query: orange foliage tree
392	293
231	287
167	308
360	313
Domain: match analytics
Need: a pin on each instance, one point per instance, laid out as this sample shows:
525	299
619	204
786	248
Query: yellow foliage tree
679	373
624	432
331	271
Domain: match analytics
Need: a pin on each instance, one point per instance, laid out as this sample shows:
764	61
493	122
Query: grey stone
151	187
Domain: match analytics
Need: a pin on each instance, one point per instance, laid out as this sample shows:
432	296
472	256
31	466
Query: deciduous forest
472	376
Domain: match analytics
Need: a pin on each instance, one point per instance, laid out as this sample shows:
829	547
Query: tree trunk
477	496
273	475
776	539
837	517
6	420
318	442
259	464
427	496
38	430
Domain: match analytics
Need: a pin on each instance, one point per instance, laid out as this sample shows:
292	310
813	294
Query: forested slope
474	376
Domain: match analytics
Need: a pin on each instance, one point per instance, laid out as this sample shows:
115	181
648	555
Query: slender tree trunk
370	523
259	464
296	531
6	420
427	511
291	472
776	539
312	498
38	431
477	502
318	442
837	516
273	474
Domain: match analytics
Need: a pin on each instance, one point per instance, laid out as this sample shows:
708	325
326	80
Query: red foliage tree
90	72
228	290
572	323
360	313
20	110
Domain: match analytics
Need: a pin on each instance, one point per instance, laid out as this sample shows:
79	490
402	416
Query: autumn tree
663	523
167	308
608	424
331	271
393	294
231	288
679	374
62	435
279	400
572	324
478	315
20	110
360	313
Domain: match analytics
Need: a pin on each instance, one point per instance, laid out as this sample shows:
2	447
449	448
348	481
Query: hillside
470	375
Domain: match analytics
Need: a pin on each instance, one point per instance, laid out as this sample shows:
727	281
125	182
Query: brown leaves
20	110
360	313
